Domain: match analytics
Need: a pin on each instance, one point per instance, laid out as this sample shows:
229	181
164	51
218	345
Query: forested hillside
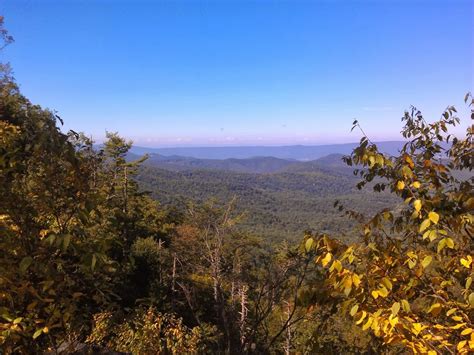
91	262
276	206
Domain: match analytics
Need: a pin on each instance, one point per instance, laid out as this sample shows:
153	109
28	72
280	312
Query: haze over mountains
293	152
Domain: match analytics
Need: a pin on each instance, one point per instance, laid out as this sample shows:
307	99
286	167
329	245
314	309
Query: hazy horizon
276	145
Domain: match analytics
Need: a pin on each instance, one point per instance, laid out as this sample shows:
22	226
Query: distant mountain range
279	198
292	152
258	165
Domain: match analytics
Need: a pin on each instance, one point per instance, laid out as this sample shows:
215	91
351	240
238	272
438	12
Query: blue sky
172	73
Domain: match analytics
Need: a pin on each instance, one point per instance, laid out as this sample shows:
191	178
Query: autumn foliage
409	280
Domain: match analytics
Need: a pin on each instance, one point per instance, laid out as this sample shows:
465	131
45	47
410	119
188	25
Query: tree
409	281
66	234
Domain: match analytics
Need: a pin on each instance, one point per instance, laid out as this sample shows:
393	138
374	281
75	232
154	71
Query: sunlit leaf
434	217
395	308
425	224
417	205
354	310
426	261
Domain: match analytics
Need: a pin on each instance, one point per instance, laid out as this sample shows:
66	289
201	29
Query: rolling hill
280	199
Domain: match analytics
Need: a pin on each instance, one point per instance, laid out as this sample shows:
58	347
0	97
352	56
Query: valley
279	199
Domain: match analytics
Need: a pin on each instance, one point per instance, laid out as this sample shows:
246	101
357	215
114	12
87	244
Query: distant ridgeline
278	197
292	152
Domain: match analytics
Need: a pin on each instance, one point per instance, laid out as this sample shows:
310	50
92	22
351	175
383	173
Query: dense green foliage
276	206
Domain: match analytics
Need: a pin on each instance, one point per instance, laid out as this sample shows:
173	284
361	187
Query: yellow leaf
416	184
395	308
434	217
426	261
417	205
433	235
347	290
354	310
356	280
434	309
382	291
368	323
379	159
375	294
371	161
400	185
364	314
406	306
468	282
393	321
451	311
458	326
424	225
441	245
466	262
309	244
417	328
387	283
449	243
336	265
467	331
461	344
326	259
43	233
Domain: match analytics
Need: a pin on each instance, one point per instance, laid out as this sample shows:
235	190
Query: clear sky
172	73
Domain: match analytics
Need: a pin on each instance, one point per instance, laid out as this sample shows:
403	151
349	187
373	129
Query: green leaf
471	299
50	239
37	333
25	264
441	245
387	283
66	241
354	310
406	305
93	262
17	320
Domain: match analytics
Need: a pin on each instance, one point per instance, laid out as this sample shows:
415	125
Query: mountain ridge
289	152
